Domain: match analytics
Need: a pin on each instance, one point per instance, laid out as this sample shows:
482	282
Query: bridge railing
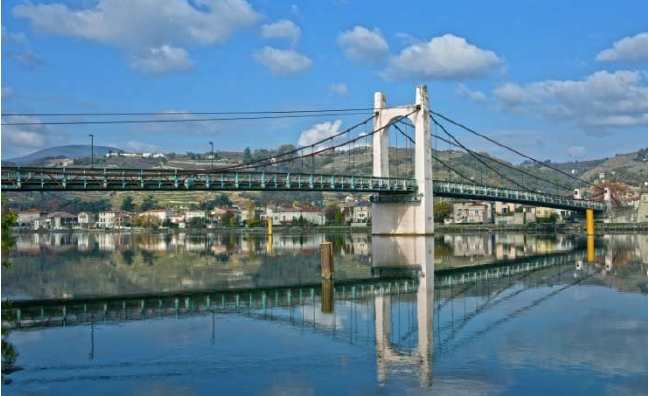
113	179
491	193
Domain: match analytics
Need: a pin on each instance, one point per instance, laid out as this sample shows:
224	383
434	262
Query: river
199	313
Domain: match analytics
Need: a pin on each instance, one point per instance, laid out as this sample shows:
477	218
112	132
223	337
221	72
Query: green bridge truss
388	189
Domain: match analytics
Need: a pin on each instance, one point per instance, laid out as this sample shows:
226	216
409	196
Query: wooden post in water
269	225
328	302
326	260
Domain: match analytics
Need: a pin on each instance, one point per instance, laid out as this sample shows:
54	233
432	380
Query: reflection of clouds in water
289	386
326	320
466	386
634	389
162	389
603	341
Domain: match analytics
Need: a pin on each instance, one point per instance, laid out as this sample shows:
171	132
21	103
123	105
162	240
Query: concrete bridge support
404	218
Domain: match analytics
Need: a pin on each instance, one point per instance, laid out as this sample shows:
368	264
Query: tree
8	241
196	222
250	213
232	221
331	211
442	210
128	204
148	203
247	155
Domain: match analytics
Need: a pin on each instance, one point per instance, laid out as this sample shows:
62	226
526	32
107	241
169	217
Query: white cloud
576	152
282	29
160	60
444	57
7	93
602	99
138	27
318	132
628	49
340	89
142	147
282	61
363	45
28	59
463	92
25	138
14	38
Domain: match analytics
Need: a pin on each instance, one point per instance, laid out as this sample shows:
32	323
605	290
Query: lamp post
91	150
212	154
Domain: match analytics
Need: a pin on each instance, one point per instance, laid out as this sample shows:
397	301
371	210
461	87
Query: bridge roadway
63	312
388	189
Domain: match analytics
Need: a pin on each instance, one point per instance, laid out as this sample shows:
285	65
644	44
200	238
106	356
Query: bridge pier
411	216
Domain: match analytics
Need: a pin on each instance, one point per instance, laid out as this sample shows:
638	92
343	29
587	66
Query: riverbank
600	228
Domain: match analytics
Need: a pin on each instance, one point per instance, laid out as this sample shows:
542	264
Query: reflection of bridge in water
397	306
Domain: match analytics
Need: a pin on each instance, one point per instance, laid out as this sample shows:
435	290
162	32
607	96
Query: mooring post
269	225
326	260
328	301
589	215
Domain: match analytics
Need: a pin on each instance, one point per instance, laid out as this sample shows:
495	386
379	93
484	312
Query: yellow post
269	225
589	215
269	246
590	248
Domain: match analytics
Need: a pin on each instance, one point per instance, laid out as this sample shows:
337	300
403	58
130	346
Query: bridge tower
409	216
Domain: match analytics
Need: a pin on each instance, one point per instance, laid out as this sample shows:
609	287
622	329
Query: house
287	215
86	219
469	212
161	214
222	214
61	220
195	214
642	209
26	218
114	219
361	214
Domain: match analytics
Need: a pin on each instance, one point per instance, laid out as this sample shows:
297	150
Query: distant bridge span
387	189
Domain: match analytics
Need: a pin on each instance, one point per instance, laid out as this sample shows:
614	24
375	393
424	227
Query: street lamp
212	154
91	150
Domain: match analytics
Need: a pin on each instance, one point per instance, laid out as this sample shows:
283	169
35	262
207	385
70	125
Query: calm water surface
194	314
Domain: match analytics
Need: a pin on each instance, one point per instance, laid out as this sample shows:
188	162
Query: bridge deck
391	189
87	179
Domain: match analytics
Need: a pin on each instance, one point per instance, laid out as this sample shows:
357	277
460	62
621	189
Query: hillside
69	151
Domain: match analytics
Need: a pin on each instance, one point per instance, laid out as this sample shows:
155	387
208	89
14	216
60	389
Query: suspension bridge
401	204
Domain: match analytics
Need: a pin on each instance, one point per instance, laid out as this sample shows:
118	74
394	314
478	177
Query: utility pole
212	154
91	150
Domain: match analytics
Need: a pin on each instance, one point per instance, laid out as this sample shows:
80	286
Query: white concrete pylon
406	218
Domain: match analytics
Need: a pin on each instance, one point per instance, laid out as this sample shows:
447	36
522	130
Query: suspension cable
479	159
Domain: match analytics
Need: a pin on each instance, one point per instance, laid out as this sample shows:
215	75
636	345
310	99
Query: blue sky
558	80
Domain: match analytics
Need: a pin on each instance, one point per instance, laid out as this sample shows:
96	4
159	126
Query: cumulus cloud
160	60
340	89
363	45
20	139
282	61
282	29
576	152
602	99
463	92
444	57
144	25
628	49
318	132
